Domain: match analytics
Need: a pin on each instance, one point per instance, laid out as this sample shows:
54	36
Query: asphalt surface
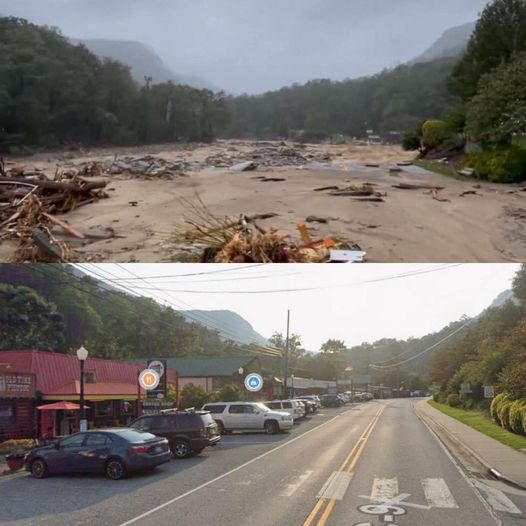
366	465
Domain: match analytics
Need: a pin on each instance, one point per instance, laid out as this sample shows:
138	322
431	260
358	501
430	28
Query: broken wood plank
67	228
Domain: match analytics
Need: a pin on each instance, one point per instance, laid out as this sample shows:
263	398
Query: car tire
115	469
271	427
39	468
181	449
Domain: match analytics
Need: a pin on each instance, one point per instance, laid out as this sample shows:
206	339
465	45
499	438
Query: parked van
293	407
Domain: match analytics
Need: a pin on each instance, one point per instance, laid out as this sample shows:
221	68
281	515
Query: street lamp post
82	355
292	380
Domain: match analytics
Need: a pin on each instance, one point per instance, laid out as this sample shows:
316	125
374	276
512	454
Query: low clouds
255	45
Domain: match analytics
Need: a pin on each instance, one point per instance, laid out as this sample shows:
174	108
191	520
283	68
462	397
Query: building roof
207	366
58	373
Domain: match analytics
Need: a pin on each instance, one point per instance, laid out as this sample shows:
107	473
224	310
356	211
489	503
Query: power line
390	366
306	289
233	337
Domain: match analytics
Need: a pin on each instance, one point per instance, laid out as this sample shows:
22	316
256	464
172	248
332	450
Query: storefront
17	399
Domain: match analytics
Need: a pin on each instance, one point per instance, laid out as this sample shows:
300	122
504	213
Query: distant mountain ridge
143	61
452	43
230	325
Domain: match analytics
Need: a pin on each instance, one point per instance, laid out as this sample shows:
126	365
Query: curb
489	469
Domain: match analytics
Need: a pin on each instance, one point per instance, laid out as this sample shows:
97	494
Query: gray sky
409	300
256	45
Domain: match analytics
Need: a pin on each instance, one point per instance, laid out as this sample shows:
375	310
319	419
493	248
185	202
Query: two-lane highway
367	465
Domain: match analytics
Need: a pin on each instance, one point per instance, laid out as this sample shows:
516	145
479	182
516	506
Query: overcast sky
256	45
334	301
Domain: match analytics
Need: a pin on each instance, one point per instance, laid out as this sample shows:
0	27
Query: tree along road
367	465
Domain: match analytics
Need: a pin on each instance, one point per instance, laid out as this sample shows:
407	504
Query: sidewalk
507	462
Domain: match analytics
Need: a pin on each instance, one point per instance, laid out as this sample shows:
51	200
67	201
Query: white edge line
486	505
251	461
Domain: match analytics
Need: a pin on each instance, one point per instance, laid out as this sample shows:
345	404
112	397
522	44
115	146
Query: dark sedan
115	452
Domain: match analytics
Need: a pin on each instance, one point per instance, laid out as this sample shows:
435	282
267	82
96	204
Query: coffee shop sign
17	385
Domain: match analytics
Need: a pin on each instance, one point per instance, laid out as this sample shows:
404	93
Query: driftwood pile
243	240
30	202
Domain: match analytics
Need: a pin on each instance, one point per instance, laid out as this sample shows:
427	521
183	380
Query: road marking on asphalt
335	486
497	499
234	470
347	466
290	489
469	481
384	489
437	494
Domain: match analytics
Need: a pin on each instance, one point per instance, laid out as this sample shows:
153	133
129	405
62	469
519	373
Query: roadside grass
477	420
439	168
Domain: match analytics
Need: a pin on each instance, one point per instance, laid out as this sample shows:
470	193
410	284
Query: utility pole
286	358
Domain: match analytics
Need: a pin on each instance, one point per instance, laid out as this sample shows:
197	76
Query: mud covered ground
152	190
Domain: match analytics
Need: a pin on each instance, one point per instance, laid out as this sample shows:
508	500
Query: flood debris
411	186
30	202
242	240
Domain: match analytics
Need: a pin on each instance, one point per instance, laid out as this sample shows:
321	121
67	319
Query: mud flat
409	214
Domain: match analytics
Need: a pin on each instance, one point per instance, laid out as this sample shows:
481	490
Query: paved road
368	465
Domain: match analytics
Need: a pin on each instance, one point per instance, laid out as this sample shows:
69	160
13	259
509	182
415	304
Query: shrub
495	407
411	141
513	381
193	396
500	165
434	133
230	393
504	415
453	400
469	404
516	410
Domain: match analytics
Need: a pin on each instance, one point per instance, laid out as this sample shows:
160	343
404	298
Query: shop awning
61	406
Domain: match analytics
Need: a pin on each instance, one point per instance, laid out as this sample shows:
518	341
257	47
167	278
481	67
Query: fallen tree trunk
57	186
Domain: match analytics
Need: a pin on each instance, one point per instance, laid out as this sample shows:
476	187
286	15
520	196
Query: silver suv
248	416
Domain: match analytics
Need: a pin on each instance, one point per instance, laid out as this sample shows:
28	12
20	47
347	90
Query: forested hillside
143	61
53	92
394	100
50	307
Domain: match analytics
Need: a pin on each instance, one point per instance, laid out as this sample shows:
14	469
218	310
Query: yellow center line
347	466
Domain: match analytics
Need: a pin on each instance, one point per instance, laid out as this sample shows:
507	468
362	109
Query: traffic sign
254	382
489	391
149	379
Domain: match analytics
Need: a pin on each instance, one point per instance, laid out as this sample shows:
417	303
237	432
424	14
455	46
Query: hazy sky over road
354	303
256	45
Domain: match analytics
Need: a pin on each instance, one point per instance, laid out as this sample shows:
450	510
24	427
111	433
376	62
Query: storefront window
103	409
7	414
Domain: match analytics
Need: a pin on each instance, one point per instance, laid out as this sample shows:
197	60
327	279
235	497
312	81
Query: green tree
193	396
333	346
497	113
28	321
500	34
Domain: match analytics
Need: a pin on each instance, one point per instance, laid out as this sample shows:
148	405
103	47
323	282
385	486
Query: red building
34	378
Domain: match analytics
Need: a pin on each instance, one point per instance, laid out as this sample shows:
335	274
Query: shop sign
15	385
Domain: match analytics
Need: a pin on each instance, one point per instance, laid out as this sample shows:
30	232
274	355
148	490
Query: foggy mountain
258	45
143	61
451	44
234	325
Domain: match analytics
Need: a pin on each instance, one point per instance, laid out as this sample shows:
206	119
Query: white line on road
437	494
384	489
248	463
336	486
496	498
488	508
290	489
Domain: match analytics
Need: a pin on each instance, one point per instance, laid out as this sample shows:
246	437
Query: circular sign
149	379
158	366
254	382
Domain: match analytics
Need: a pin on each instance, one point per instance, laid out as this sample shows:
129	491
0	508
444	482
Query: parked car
248	416
115	452
188	432
329	400
293	407
313	398
310	405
